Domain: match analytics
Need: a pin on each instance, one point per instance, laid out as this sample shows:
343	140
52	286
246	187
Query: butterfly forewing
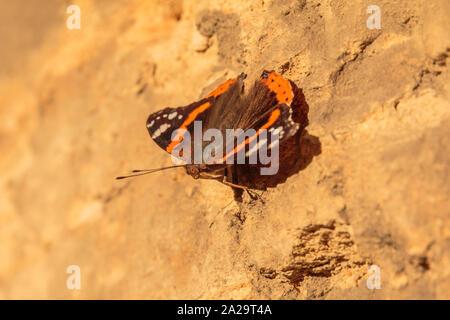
162	124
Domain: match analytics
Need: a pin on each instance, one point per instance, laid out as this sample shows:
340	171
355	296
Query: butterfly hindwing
269	106
277	122
268	91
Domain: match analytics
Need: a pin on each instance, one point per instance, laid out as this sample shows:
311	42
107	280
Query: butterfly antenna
142	172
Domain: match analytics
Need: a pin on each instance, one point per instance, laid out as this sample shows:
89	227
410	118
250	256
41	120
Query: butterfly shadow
295	154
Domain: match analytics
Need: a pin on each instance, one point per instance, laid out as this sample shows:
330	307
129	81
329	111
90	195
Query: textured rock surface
73	109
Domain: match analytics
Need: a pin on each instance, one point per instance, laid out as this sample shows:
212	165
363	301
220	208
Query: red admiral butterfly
273	103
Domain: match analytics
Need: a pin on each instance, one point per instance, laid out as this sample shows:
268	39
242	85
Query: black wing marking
277	121
162	124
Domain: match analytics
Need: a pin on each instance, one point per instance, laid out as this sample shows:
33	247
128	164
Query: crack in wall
348	57
321	251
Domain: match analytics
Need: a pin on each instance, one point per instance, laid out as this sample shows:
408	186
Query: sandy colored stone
73	105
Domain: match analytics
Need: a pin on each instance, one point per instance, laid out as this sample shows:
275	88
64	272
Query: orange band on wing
273	117
222	88
191	117
282	87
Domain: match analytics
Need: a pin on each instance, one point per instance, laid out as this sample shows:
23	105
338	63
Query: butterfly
272	104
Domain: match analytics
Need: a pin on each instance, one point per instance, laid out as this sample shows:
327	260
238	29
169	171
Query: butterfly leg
230	174
225	182
224	179
253	195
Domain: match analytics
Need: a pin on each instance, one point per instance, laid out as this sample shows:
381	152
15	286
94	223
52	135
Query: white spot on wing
279	131
172	115
156	134
164	127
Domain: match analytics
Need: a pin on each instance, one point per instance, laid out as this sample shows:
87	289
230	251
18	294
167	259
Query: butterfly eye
193	171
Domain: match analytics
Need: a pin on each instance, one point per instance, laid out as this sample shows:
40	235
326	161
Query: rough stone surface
73	105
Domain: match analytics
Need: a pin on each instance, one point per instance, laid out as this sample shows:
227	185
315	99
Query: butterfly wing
274	104
162	124
277	120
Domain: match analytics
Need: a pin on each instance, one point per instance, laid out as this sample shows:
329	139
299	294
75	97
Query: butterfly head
204	171
194	171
